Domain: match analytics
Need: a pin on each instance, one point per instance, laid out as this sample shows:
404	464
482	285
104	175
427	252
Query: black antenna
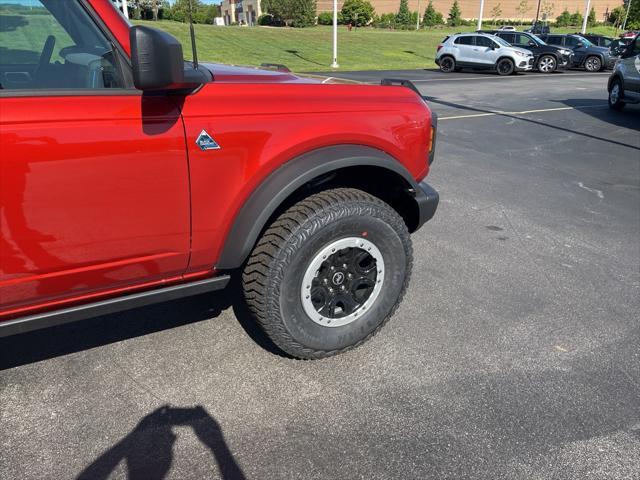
193	37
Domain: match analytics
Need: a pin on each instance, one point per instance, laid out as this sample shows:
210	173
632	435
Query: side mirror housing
157	61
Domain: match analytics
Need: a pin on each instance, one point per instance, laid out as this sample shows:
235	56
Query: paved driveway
516	354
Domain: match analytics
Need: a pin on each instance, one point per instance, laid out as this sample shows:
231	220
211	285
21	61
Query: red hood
232	74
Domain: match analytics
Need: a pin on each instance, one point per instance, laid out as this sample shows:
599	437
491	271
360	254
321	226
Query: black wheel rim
342	281
504	67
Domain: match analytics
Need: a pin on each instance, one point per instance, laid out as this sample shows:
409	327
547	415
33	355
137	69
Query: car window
537	39
464	40
554	40
606	42
584	41
53	47
522	40
507	37
485	42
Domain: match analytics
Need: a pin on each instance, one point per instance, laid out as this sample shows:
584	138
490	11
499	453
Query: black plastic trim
400	82
434	126
276	188
427	199
112	305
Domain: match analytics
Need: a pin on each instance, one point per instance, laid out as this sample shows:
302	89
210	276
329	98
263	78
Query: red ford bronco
129	176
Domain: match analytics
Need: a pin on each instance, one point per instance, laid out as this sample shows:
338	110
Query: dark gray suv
585	54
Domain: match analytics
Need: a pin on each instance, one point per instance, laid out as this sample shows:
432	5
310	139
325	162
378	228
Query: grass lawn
310	49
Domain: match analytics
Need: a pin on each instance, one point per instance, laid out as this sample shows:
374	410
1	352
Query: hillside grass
302	50
310	49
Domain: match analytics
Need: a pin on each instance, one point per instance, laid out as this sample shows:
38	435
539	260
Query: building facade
242	12
470	8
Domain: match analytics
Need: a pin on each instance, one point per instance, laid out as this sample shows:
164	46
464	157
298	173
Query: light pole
334	64
624	24
480	15
125	10
537	15
585	18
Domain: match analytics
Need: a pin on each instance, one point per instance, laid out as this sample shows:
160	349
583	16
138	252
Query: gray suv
624	82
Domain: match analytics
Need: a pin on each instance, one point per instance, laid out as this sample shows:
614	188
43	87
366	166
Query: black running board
112	305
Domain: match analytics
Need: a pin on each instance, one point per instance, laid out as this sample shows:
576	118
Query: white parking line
522	77
524	112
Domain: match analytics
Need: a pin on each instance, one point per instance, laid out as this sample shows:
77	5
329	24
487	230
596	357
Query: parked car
480	51
546	58
598	40
538	28
129	176
630	35
624	82
507	28
619	45
586	54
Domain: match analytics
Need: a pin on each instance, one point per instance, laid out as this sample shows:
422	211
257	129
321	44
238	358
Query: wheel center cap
338	278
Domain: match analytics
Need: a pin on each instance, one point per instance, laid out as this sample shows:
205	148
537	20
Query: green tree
633	20
455	16
564	19
591	19
403	17
357	12
431	17
295	13
576	19
616	16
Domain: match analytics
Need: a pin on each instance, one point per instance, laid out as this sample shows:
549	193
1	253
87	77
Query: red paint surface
101	195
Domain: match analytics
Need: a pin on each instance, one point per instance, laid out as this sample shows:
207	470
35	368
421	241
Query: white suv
482	51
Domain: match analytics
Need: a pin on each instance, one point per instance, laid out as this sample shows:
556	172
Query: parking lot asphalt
515	355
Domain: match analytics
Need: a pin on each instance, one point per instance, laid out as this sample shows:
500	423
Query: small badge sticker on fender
206	142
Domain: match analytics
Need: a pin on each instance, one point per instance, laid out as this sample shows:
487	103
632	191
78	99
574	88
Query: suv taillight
439	47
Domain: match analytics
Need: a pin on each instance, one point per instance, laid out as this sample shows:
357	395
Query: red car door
94	188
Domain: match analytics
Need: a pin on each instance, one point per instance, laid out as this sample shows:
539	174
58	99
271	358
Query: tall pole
335	35
585	18
624	24
537	13
125	10
418	19
480	15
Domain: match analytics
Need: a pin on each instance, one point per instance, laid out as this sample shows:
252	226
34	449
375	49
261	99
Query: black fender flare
615	77
284	181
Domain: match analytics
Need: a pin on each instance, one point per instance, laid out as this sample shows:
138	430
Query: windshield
537	39
584	41
500	41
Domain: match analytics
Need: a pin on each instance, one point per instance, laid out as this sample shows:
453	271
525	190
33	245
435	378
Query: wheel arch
343	165
615	76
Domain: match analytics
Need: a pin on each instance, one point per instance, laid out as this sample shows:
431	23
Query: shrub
576	19
325	18
265	19
357	12
564	19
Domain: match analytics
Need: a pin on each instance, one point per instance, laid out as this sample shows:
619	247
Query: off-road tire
616	103
448	64
273	276
505	66
593	64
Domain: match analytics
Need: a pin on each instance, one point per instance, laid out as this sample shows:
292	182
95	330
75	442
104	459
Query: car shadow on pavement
627	118
148	449
631	122
52	342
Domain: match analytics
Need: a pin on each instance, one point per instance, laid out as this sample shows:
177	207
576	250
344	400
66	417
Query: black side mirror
157	61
